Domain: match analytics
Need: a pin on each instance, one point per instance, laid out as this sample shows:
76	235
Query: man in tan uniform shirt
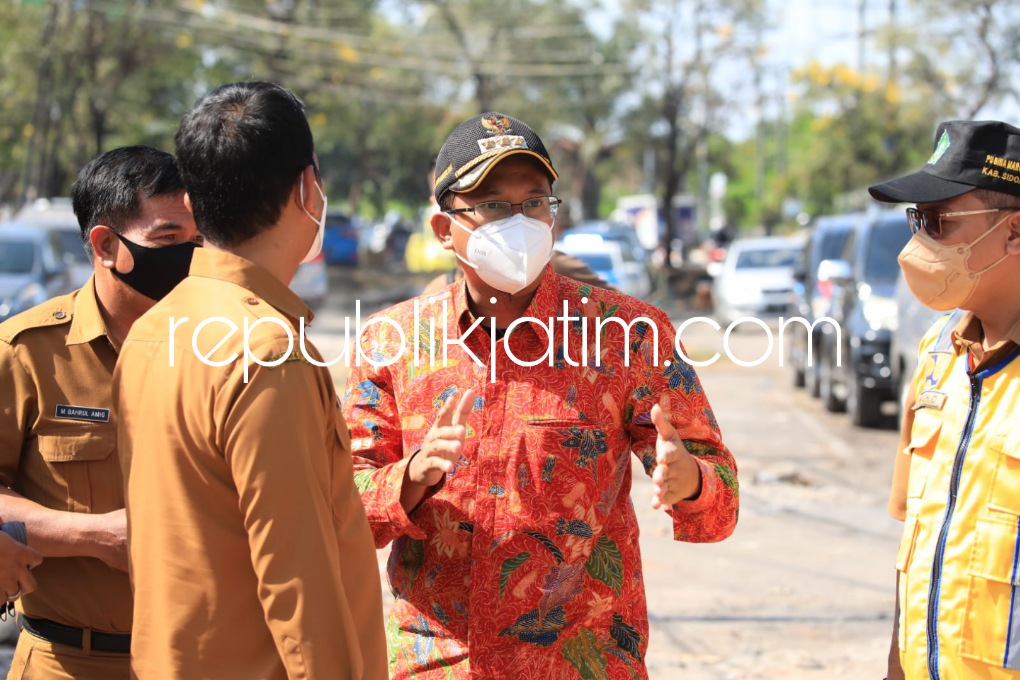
58	451
251	555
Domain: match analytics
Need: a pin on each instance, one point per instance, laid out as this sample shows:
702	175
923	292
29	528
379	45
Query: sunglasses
930	221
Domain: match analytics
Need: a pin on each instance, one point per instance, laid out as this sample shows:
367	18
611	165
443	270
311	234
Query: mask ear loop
301	192
455	222
552	233
973	243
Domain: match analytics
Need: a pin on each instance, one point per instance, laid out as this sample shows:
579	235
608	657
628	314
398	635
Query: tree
80	72
965	54
842	137
690	44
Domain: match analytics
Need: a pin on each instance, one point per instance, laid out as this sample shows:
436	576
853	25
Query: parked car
615	264
382	243
615	232
864	309
34	266
914	320
813	297
756	278
57	216
340	239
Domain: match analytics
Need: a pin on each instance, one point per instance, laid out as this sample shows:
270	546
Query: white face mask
316	246
509	254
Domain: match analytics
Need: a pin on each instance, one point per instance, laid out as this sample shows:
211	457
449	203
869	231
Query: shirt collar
223	266
968	335
542	305
86	320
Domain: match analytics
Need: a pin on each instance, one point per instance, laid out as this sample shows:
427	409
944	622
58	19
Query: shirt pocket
1005	492
79	474
904	557
991	625
564	469
924	436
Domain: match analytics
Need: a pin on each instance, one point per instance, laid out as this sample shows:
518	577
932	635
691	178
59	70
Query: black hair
241	149
110	189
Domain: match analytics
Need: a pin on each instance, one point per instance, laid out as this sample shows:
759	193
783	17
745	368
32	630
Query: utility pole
759	137
862	33
701	145
893	39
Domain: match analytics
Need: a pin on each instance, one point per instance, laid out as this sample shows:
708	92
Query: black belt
70	636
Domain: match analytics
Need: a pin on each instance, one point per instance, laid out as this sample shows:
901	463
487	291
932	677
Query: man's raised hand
443	443
676	476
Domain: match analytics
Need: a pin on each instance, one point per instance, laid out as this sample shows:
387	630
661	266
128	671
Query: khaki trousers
37	659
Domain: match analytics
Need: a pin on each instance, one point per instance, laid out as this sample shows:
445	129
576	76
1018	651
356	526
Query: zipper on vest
934	588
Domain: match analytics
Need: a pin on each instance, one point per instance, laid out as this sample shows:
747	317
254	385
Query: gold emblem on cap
496	124
502	142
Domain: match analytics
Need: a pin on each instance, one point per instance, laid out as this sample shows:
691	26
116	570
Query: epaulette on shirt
284	358
54	312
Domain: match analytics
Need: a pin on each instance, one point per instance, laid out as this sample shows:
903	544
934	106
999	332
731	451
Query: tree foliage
639	100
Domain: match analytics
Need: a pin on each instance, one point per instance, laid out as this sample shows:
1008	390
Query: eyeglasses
539	208
931	220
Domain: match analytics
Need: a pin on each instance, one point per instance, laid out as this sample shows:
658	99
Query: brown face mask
938	275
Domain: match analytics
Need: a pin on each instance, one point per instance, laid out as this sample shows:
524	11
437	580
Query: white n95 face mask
316	246
509	254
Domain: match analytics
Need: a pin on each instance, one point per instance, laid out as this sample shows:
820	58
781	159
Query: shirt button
58	314
252	301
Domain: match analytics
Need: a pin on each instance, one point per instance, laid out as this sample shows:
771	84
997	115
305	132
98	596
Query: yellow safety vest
959	558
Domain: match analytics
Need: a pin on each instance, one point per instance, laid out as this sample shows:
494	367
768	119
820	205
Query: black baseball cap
477	145
968	155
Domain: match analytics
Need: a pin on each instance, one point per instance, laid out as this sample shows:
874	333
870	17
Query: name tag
931	399
87	413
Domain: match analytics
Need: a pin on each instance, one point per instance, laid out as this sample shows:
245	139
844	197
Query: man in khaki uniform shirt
58	450
251	555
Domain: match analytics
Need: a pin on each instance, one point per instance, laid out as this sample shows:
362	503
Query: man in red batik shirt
492	425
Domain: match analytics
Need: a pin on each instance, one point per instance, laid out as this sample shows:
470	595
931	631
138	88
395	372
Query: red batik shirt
525	560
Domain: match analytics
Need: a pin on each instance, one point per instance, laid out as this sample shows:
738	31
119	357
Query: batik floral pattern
525	559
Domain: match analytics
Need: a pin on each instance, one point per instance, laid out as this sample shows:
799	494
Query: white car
756	279
56	215
615	264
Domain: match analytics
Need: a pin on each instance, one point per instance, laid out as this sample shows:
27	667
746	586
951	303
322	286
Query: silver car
756	279
35	265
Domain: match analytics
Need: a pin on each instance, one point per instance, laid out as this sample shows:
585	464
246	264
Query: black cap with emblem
968	155
476	145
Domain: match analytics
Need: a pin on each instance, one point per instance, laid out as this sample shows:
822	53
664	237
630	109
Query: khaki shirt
58	448
251	555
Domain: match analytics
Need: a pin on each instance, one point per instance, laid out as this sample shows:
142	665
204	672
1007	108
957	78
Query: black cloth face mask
156	270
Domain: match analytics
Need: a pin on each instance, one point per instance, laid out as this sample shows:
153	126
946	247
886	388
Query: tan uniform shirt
251	555
58	448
